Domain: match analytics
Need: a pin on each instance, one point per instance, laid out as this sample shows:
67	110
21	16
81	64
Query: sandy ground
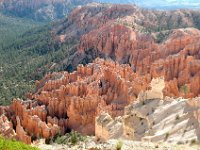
90	144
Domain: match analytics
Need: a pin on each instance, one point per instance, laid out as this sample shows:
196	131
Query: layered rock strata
103	89
154	119
83	94
177	59
6	127
71	101
152	42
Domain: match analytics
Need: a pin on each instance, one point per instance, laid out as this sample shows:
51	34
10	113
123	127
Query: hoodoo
153	118
72	100
107	72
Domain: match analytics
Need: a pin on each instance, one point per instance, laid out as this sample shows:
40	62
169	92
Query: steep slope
65	101
48	10
136	45
125	33
10	29
40	10
154	119
147	40
143	20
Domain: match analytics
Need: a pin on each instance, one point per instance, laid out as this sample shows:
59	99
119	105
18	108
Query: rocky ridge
103	89
40	10
48	10
154	119
66	101
130	35
71	101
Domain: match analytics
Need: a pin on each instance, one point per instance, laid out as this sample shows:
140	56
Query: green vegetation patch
184	89
70	138
11	27
6	144
28	52
161	36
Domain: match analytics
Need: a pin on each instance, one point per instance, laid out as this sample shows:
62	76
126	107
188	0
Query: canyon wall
177	59
130	35
154	119
102	98
66	101
71	101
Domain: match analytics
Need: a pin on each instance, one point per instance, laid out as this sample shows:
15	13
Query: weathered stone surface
168	120
79	96
115	31
66	101
6	127
129	35
176	58
2	110
30	120
21	134
156	92
105	125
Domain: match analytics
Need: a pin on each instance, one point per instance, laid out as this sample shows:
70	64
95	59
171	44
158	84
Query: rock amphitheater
142	90
104	99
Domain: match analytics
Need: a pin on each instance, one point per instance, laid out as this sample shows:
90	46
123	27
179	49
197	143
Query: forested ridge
28	51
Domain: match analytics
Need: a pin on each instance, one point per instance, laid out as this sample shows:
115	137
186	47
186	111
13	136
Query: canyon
49	10
129	37
87	100
66	101
132	74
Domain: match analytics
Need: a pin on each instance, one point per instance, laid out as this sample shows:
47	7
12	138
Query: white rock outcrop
154	119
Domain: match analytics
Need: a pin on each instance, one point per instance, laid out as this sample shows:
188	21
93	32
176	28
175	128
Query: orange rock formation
115	31
129	35
177	59
66	101
6	127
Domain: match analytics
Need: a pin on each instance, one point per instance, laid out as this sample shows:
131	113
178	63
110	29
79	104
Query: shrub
166	136
153	123
193	141
61	139
184	89
76	137
119	145
73	137
10	144
177	117
185	131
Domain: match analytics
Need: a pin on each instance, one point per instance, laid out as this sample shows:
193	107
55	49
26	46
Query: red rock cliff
177	59
66	101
